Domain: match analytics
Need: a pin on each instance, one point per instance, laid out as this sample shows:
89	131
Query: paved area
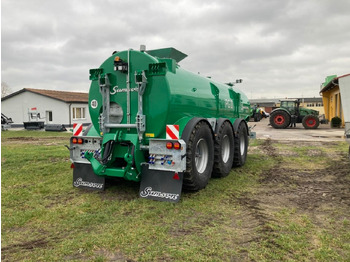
264	130
323	133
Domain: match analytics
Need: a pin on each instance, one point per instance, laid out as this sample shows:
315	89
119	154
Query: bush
336	121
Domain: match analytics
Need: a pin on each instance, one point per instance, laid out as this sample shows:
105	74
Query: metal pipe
128	91
70	114
120	125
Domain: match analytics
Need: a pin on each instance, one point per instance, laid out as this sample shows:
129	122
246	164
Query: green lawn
254	214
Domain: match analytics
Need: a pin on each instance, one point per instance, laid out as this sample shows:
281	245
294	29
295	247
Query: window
50	116
78	113
288	104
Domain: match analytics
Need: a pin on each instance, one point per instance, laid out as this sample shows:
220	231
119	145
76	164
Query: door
49	118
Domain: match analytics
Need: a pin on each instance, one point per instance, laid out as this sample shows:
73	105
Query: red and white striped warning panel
172	132
77	129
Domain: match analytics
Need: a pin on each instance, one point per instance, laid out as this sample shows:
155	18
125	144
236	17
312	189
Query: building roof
278	100
264	100
65	96
332	83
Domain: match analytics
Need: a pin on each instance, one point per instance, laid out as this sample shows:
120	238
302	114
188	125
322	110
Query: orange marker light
177	145
117	58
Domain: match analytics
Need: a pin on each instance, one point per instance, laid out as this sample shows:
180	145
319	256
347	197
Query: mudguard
84	177
160	185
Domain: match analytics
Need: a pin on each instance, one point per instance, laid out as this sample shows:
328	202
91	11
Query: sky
279	48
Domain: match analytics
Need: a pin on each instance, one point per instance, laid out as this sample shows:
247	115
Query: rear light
169	145
76	140
177	145
72	165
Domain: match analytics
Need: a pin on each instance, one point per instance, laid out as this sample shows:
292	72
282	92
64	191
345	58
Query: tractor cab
292	106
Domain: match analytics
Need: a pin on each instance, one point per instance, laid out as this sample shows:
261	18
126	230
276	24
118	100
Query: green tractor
289	111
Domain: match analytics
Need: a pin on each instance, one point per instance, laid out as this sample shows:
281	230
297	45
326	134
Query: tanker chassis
158	124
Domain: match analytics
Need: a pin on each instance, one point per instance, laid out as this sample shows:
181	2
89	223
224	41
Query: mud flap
84	177
161	185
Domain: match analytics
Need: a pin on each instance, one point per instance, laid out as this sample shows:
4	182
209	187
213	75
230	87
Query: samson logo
149	192
79	182
116	90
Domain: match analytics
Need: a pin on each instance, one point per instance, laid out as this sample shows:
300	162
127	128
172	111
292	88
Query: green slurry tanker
158	124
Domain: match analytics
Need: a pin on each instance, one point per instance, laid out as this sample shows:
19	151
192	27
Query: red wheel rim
279	119
310	122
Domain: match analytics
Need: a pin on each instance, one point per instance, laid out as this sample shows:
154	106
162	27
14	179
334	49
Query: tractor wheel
311	122
240	145
223	152
280	119
199	157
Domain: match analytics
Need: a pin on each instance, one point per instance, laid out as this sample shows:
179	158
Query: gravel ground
323	133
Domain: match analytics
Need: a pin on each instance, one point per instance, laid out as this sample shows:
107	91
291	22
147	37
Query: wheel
280	119
311	122
223	150
199	157
257	117
240	145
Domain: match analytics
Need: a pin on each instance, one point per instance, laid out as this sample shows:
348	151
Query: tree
5	89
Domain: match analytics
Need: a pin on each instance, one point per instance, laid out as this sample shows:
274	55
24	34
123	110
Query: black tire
199	157
240	145
280	119
223	150
257	117
310	122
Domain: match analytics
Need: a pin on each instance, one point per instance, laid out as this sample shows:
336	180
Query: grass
45	219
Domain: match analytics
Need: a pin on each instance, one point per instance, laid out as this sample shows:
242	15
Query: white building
51	107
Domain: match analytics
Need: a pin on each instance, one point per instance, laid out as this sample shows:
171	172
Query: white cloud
279	48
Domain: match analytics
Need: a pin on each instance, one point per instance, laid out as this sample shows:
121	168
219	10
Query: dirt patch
49	141
54	200
42	242
81	255
269	149
309	189
111	256
20	138
37	243
321	194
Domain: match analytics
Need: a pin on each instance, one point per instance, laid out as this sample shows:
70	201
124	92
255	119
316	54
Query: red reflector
169	145
80	140
72	165
177	145
176	176
74	140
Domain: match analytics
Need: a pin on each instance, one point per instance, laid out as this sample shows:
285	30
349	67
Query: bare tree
5	89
